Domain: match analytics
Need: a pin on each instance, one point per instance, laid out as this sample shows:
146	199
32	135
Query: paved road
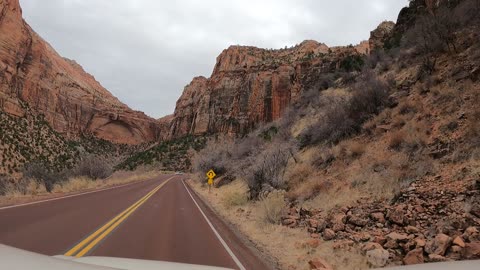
159	219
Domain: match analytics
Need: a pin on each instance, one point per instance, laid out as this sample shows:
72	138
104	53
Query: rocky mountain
250	86
73	102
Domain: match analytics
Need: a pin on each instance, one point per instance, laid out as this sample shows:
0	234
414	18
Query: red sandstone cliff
72	101
249	86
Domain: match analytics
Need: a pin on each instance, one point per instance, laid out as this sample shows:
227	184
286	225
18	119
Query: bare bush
214	156
4	184
368	99
268	172
94	167
39	172
342	118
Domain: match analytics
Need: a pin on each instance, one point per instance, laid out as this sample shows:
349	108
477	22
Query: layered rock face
381	34
249	86
73	102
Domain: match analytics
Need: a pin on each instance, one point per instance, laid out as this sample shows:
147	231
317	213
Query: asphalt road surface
159	219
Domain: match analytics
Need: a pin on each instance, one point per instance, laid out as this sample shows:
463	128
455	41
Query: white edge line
230	252
67	196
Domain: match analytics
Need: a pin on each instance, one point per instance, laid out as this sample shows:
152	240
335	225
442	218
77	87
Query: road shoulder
250	254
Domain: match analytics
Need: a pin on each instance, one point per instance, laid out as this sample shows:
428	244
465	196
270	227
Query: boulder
397	237
377	257
439	244
472	250
414	257
397	215
328	234
459	241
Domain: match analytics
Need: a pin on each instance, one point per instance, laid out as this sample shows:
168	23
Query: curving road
159	219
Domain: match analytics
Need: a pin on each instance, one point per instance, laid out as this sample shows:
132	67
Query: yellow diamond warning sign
211	174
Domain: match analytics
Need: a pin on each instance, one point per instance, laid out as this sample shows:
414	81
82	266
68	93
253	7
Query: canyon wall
72	101
250	86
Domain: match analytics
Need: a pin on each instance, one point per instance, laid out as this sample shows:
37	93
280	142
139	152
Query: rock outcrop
381	34
71	100
250	86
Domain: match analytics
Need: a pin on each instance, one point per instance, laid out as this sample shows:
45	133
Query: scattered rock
420	242
357	221
397	215
412	229
414	257
377	257
438	245
345	244
328	234
338	222
459	241
313	243
437	258
472	250
455	253
398	237
379	217
370	246
289	222
313	223
319	264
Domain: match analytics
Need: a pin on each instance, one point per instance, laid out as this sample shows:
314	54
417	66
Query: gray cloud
146	51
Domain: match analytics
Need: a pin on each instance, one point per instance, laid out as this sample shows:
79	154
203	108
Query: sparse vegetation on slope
171	155
383	161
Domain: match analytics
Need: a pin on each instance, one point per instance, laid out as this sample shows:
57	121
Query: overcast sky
146	51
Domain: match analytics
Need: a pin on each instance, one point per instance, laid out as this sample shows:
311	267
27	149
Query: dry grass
33	190
234	198
396	139
285	246
75	184
272	206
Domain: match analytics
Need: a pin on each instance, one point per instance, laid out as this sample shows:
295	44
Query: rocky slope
71	100
250	86
379	171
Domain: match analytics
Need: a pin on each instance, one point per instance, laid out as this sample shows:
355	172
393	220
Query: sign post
210	175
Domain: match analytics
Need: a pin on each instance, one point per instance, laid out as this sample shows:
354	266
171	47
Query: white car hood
17	259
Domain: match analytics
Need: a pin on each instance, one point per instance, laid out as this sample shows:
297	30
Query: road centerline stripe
93	239
224	244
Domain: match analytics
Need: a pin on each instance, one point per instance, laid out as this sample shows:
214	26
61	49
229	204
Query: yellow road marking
111	225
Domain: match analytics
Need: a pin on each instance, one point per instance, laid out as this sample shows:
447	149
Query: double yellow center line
92	240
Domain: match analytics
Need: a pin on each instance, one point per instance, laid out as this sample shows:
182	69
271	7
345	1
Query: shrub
93	167
214	156
344	117
268	171
368	98
352	63
355	149
4	184
39	172
331	128
396	139
272	207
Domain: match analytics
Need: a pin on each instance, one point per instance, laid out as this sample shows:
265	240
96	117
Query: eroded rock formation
250	85
72	101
